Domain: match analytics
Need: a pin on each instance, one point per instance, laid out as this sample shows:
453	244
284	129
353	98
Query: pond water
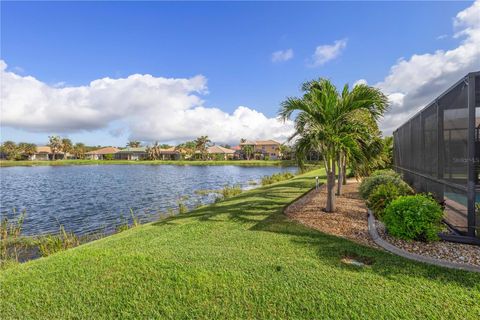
86	199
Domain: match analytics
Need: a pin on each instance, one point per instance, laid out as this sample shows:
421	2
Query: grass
237	259
10	163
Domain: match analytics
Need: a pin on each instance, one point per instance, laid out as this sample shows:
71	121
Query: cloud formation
282	55
147	107
326	53
412	83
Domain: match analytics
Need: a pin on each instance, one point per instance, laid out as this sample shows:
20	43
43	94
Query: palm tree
133	144
246	148
66	146
28	149
55	144
10	149
329	123
187	148
79	150
201	145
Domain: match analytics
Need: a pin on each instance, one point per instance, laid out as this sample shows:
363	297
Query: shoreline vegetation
31	163
237	258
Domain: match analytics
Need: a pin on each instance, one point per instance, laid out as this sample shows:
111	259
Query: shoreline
246	163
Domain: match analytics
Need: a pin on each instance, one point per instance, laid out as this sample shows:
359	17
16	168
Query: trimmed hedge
415	217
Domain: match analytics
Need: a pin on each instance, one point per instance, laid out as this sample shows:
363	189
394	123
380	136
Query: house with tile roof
45	153
102	153
264	149
129	153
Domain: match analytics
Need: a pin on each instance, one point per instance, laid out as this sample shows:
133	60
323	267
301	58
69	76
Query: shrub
385	172
369	184
415	217
381	197
276	178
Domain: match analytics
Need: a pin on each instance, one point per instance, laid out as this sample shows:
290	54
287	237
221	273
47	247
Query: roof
219	149
267	142
260	142
236	148
106	150
46	149
247	143
133	150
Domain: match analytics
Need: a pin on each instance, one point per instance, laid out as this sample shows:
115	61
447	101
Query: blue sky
230	44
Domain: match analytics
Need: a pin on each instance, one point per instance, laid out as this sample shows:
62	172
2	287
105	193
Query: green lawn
241	259
9	163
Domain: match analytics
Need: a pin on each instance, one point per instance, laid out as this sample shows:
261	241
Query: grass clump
277	177
416	217
10	231
51	244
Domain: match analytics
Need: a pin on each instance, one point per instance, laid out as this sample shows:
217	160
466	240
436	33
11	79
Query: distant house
102	154
170	154
264	148
132	154
45	153
218	152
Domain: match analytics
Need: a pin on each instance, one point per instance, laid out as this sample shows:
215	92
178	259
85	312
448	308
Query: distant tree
226	146
187	149
165	146
79	150
28	149
133	144
201	145
55	144
66	145
154	152
11	150
285	151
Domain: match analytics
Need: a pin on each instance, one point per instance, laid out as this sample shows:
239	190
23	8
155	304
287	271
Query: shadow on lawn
262	210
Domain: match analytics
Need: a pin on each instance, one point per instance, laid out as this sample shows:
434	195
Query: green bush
385	172
415	217
369	184
381	197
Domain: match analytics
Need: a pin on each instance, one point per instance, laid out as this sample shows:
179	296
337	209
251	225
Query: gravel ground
350	221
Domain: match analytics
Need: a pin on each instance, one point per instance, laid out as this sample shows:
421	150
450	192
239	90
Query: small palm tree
67	146
11	150
330	123
247	149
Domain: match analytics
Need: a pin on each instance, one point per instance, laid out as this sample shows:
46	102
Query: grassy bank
8	163
239	258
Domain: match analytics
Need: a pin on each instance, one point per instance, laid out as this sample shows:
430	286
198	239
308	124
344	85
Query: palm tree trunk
340	174
344	169
330	186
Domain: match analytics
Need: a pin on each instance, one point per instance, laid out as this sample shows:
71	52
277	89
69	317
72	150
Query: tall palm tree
328	122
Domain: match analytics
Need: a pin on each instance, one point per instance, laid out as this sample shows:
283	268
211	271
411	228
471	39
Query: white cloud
360	81
151	108
282	55
325	53
414	82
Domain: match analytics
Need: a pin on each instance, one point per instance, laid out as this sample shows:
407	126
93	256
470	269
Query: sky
104	73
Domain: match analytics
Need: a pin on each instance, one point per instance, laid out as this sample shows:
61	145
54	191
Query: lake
98	198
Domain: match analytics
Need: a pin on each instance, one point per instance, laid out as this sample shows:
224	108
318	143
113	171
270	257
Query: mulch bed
350	221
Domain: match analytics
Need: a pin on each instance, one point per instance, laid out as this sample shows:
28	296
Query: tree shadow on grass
262	210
